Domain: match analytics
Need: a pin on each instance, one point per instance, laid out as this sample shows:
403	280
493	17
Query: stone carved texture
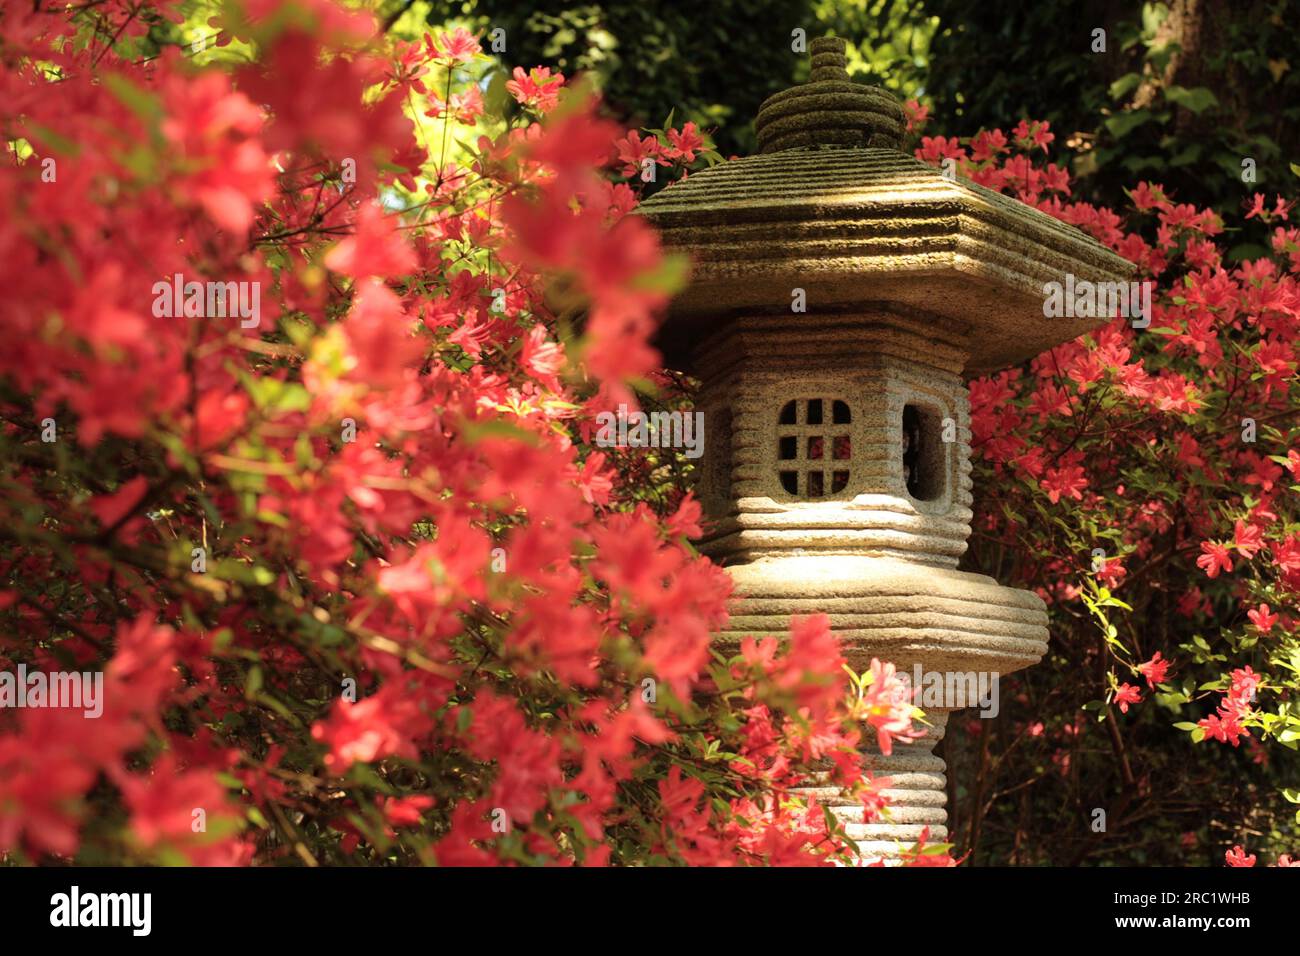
912	280
874	363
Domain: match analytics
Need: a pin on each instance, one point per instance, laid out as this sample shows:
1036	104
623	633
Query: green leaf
1244	251
274	393
473	432
138	100
1121	124
668	277
274	518
1198	99
1125	85
1187	156
53	140
1153	15
330	636
496	98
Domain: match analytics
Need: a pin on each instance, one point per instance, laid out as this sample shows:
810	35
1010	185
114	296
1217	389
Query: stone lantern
841	290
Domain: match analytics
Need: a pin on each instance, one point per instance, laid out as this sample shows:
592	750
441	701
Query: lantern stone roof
833	207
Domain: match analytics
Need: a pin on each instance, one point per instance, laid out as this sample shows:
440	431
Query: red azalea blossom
538	88
685	143
1125	695
1155	670
1214	558
1262	619
1237	857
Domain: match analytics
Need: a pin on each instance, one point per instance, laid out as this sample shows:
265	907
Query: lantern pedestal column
917	795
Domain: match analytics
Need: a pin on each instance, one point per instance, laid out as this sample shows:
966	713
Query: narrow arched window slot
923	453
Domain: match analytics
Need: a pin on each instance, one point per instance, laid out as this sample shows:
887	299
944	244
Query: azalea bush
363	587
359	583
1143	480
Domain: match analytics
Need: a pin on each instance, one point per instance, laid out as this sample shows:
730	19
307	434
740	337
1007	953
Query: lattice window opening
813	447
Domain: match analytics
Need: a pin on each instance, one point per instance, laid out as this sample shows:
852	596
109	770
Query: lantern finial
828	60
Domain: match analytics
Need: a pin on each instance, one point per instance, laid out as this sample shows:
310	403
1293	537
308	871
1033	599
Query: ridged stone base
893	610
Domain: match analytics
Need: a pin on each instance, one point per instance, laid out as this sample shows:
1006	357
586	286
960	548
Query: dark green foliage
711	63
1182	95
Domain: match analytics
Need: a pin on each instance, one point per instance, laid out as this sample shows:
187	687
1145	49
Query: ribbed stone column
841	292
917	795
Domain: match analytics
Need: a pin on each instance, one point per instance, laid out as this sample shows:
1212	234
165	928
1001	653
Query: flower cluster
361	586
1152	468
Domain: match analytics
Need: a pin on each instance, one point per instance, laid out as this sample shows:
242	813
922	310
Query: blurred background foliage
1183	93
711	63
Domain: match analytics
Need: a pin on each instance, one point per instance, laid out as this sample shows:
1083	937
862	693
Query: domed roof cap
830	109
